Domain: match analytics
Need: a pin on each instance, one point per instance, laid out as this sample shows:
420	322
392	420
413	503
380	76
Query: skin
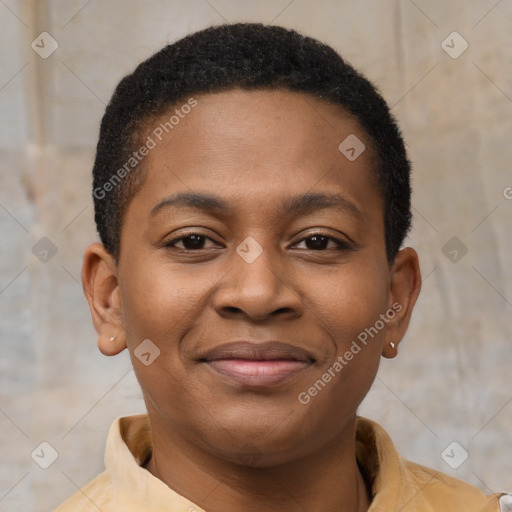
254	149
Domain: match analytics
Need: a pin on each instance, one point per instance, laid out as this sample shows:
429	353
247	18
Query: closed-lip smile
259	364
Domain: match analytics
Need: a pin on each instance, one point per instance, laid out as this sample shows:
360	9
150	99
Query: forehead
262	144
268	122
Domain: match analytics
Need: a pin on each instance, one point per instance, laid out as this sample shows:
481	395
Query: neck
328	479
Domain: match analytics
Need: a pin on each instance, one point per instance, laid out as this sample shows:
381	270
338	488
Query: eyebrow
292	206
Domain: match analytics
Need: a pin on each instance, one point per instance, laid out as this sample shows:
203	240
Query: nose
257	290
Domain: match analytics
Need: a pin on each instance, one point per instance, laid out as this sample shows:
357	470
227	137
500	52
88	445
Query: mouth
258	364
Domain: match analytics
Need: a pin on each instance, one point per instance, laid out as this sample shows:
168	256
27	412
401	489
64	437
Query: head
249	184
248	57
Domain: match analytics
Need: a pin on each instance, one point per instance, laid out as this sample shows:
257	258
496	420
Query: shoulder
400	484
439	491
90	498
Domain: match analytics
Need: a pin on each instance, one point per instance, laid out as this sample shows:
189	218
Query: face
253	259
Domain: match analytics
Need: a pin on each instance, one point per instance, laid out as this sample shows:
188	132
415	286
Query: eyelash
341	244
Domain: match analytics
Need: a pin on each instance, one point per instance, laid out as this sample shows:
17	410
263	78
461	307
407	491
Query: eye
320	242
314	242
190	242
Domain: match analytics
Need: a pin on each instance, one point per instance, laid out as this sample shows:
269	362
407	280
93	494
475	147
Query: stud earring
113	338
392	344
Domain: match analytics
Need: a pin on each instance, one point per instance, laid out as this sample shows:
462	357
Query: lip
259	364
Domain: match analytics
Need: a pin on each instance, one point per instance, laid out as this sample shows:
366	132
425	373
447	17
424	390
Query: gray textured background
452	379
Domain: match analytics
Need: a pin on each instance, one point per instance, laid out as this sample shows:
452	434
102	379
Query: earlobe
101	289
390	350
111	346
405	286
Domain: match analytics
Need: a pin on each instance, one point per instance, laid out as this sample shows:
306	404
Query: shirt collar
129	444
396	484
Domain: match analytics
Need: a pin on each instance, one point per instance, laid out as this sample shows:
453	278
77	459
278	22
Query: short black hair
245	56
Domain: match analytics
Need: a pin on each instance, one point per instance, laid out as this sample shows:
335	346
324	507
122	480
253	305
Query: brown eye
320	242
190	242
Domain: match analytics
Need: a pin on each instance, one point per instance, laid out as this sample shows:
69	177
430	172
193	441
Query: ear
101	289
404	288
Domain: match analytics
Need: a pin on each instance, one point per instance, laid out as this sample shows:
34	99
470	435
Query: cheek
349	308
158	306
351	303
163	304
157	302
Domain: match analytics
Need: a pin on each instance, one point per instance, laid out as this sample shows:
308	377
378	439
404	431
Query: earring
113	338
393	347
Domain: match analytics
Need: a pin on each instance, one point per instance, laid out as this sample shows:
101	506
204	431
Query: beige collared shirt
397	484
